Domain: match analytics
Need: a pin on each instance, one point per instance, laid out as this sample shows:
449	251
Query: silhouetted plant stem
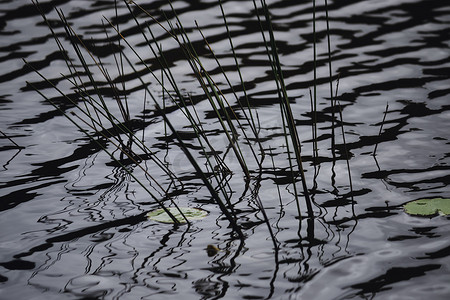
346	157
330	76
287	109
381	128
11	140
112	157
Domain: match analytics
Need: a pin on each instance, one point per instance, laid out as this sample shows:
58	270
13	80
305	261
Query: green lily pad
191	214
428	207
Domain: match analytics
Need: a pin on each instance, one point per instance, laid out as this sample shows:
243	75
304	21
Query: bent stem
286	106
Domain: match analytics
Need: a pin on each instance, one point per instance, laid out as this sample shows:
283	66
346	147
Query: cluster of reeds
112	126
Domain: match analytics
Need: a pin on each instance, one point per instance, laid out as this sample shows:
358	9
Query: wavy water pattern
73	221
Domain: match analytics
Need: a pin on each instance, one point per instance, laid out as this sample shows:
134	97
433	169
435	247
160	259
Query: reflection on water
73	223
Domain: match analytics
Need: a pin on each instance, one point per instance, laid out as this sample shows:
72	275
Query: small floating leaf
428	207
191	214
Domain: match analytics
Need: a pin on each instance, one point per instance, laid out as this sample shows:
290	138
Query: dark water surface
73	224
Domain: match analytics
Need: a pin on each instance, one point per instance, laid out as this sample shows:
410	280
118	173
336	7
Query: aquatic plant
243	153
428	207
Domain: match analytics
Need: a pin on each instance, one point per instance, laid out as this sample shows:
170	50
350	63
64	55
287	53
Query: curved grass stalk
249	120
167	72
286	106
196	125
186	151
200	72
198	69
112	156
99	108
96	111
252	123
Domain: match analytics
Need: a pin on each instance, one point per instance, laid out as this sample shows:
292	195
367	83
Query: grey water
72	222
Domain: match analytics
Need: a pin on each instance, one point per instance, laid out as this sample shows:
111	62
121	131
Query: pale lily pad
428	207
190	213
